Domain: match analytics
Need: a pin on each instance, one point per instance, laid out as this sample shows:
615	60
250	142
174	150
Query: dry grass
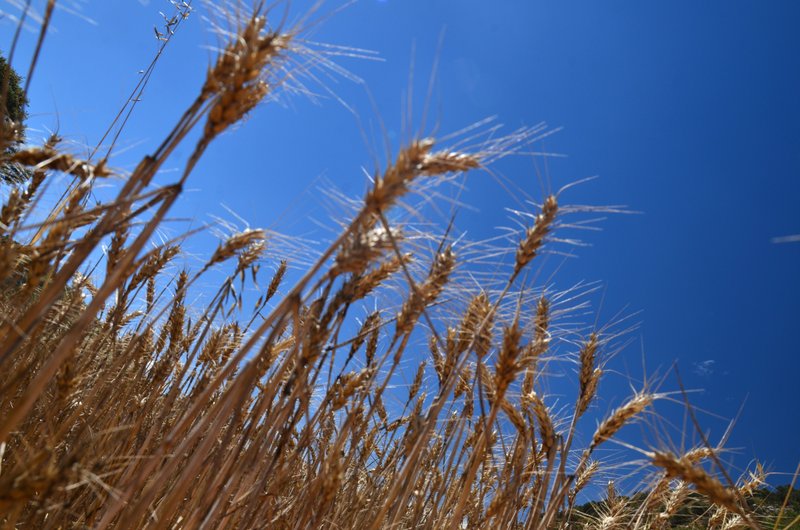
122	406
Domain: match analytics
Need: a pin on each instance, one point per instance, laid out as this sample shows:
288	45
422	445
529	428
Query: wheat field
124	404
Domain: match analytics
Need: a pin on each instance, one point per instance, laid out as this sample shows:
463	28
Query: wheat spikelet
234	244
116	248
546	428
413	161
755	480
507	360
48	158
370	281
250	254
416	384
476	326
17	203
153	265
361	249
276	280
709	486
609	427
514	416
348	385
443	266
583	479
534	237
588	375
237	81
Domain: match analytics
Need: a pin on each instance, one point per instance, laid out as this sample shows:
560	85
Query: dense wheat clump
125	404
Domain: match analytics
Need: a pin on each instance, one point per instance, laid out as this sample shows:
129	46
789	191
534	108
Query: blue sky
688	112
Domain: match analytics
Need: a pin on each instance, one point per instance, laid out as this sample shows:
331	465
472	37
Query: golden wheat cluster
123	406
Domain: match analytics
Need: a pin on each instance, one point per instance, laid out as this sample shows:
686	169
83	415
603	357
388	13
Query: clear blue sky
689	112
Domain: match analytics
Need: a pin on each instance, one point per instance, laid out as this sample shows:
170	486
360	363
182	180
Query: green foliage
13	112
16	100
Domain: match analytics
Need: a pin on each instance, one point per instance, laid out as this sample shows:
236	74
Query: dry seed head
60	230
251	253
371	280
450	425
236	82
276	280
587	366
706	484
393	183
150	295
42	158
717	518
154	264
79	281
130	317
463	383
229	110
507	361
611	494
754	481
438	358
314	333
531	468
658	494
372	341
118	240
535	235
65	381
514	416
427	292
347	385
541	324
361	249
211	349
275	349
469	404
546	428
488	381
380	410
331	478
620	417
413	161
538	346
583	479
698	454
476	326
442	267
674	501
591	391
417	383
416	422
177	315
609	522
588	375
448	162
372	321
12	210
396	424
527	380
234	244
497	504
33	186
